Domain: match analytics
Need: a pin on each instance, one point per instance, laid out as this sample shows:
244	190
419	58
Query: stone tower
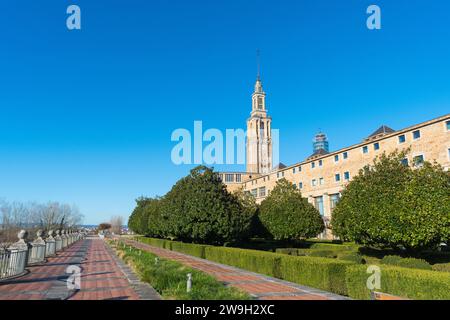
259	139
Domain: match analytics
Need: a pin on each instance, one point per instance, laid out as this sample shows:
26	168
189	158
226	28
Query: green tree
289	216
389	204
199	208
138	221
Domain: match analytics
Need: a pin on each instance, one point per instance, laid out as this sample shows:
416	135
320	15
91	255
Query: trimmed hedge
323	254
252	260
402	282
321	273
196	250
406	262
442	267
352	257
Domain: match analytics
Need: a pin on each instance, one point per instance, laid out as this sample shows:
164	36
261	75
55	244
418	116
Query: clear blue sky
87	115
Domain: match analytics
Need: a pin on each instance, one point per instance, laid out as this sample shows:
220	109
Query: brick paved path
103	276
259	286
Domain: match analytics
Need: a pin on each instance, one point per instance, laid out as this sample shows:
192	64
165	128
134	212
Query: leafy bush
323	253
196	250
351	256
320	273
443	267
287	215
389	204
401	282
406	262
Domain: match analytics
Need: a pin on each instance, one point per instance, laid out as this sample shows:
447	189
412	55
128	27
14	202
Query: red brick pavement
101	277
259	286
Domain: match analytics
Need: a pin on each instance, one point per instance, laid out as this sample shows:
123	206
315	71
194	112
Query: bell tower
259	139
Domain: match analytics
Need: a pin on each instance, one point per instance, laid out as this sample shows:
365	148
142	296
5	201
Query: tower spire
258	65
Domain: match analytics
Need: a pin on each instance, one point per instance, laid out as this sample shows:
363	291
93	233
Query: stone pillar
50	243
64	238
58	241
37	252
19	252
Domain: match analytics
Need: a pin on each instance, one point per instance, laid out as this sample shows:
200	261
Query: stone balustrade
15	259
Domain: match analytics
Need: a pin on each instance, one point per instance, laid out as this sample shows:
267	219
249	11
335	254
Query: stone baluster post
58	240
64	238
37	252
19	252
50	243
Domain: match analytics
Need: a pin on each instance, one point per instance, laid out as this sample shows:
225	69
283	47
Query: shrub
334	247
288	251
406	262
352	257
287	215
196	250
443	267
320	273
389	204
401	282
323	253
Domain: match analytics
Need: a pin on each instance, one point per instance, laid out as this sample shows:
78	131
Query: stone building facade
322	176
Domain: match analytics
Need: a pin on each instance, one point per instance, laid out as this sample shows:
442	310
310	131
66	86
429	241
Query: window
346	176
345	155
300	185
418	160
262	191
320	163
447	125
313	165
255	192
376	146
314	182
336	158
238	177
365	149
280	174
337	177
334	199
299	168
401	138
416	134
321	181
293	170
229	177
318	203
404	162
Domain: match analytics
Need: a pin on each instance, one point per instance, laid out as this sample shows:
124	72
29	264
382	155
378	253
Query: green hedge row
402	282
333	275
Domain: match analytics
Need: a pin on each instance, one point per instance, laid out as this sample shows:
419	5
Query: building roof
318	153
381	131
279	166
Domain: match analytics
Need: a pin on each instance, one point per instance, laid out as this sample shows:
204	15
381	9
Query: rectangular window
416	134
313	165
336	158
255	192
238	177
346	176
334	199
293	170
321	181
299	168
262	191
300	185
365	149
376	146
345	155
314	182
318	203
447	125
229	177
418	160
320	163
337	177
401	138
278	175
405	162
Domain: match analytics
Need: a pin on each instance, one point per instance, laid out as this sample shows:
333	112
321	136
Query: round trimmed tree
287	215
389	204
200	209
